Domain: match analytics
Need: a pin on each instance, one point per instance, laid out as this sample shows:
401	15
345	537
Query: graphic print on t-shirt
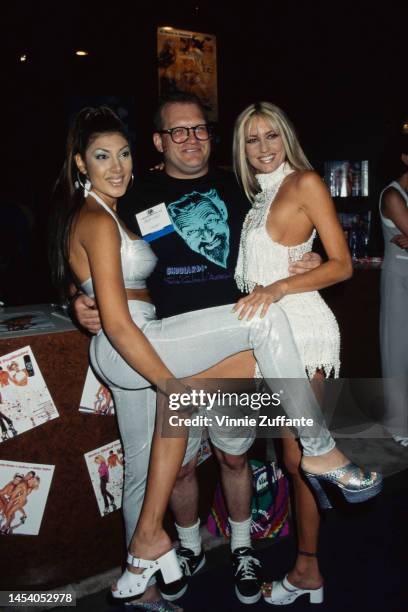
201	219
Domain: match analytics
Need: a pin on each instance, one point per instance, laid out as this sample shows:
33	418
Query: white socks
240	533
190	537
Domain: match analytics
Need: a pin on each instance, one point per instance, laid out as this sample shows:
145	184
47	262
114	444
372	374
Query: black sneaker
190	564
247	577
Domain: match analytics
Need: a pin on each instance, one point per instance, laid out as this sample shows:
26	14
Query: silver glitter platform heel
355	484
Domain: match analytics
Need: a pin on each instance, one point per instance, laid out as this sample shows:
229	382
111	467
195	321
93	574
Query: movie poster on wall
105	467
25	401
96	397
24	489
187	61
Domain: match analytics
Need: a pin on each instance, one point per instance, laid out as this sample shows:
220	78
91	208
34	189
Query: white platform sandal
130	584
284	593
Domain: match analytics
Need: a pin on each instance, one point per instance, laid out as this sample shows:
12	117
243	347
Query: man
192	216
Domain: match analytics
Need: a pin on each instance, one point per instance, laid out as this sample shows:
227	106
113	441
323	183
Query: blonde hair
295	155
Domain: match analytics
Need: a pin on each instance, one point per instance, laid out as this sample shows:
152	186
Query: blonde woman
289	204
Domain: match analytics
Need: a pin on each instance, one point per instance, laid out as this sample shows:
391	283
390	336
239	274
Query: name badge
154	222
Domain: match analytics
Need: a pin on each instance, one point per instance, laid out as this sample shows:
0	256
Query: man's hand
86	313
309	261
401	240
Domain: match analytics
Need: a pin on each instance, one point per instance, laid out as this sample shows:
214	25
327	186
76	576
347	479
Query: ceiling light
81	52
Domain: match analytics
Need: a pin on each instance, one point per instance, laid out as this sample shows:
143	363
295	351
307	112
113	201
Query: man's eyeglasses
182	134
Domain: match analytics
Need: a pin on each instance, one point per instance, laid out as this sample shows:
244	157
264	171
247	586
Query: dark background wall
337	68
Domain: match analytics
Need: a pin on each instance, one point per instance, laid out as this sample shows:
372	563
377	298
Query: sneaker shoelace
246	567
185	556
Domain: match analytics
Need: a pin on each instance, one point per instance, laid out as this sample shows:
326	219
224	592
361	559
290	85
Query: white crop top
138	259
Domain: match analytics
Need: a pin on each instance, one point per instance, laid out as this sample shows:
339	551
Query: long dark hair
68	195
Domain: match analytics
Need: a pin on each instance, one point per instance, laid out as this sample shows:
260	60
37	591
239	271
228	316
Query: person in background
394	297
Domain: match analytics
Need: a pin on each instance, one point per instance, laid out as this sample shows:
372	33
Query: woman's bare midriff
138	294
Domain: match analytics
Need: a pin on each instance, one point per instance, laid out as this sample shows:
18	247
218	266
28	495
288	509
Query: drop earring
87	187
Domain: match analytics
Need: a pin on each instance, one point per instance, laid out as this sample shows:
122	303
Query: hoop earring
132	178
87	187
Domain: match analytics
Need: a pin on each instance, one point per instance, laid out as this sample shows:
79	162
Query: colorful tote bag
269	506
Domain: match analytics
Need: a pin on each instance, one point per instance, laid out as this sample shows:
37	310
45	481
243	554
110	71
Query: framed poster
187	61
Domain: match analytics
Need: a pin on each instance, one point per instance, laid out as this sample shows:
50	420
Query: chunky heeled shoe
284	593
355	484
130	584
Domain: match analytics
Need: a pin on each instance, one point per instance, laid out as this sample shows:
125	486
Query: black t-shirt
197	250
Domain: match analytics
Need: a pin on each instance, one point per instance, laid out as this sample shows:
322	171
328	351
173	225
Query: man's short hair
177	97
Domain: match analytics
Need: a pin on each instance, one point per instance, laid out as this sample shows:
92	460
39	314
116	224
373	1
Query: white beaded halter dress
262	261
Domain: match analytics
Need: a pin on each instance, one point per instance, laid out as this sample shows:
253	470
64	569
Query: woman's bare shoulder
95	223
305	179
305	183
91	215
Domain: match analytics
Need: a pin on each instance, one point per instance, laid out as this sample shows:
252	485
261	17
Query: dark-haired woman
394	297
133	348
